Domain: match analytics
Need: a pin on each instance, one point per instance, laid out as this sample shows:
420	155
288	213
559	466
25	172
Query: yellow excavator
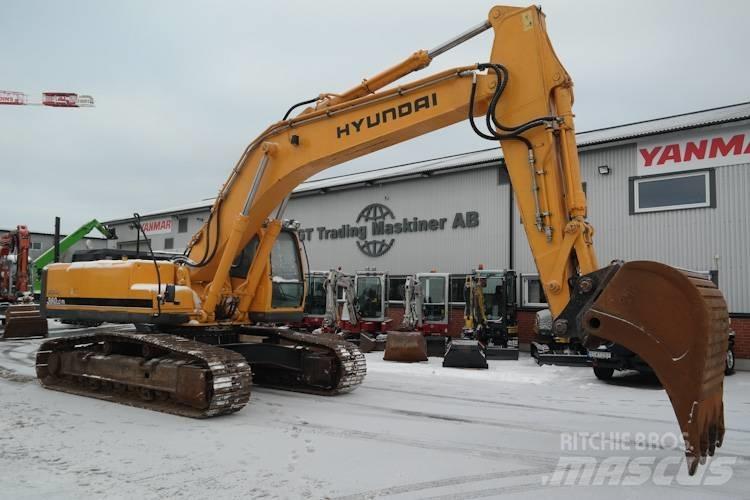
204	317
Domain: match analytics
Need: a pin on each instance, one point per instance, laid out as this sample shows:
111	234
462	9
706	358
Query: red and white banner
693	150
54	99
12	97
157	226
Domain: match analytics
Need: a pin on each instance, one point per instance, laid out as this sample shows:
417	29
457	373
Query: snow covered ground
410	431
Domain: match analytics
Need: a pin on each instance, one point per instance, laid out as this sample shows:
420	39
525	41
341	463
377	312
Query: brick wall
525	326
741	327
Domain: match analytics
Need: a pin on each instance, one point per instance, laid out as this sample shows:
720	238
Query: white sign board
157	226
693	150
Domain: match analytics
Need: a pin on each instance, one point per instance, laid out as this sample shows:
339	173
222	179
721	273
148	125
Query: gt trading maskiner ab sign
382	230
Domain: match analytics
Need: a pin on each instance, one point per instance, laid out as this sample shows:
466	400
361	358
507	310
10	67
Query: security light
604	170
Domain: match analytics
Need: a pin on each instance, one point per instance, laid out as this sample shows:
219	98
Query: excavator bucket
407	347
677	321
465	354
23	321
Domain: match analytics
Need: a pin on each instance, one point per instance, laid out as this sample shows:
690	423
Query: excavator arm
521	98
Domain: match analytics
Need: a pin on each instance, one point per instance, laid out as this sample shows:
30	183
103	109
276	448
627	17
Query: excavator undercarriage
197	374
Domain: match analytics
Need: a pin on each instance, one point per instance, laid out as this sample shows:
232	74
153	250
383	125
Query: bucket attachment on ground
436	346
369	343
407	347
678	323
23	321
501	353
546	355
465	354
561	359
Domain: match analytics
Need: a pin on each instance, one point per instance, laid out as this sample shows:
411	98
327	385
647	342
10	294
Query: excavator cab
371	294
435	302
500	330
315	301
287	278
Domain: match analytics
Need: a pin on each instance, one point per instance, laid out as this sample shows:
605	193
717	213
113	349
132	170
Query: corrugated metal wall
441	196
682	238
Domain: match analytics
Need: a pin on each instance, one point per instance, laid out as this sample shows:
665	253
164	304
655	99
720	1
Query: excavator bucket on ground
465	354
677	321
407	347
23	321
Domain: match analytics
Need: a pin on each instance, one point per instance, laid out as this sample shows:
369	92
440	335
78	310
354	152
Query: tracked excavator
207	316
19	316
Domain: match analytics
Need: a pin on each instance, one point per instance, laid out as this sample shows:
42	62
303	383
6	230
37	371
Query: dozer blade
557	359
678	323
465	354
406	347
24	321
501	353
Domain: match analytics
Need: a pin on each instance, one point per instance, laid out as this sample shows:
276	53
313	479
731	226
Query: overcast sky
181	87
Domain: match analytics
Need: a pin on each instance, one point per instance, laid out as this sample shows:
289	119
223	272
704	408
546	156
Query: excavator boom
522	99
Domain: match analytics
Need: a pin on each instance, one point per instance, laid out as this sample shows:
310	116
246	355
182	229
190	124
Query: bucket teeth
678	323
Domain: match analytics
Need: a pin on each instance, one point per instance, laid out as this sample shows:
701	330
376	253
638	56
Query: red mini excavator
21	317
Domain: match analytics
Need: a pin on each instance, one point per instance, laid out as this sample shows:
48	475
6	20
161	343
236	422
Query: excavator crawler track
350	371
197	380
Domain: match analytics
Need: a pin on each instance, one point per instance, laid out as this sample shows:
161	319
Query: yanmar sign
157	226
694	150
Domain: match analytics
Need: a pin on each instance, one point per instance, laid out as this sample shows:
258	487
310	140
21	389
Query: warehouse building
672	189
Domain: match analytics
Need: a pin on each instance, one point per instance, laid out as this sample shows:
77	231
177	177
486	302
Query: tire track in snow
546	460
452	481
533	407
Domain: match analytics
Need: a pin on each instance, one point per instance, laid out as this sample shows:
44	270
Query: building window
182	225
396	285
457	284
672	192
168	243
35	245
532	293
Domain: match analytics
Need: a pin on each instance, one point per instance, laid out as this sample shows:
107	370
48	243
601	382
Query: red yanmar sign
693	151
157	226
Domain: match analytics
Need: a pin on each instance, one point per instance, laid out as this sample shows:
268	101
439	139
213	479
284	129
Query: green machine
49	255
